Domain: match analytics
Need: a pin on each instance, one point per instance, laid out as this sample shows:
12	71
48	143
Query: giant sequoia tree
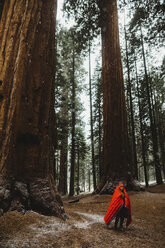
116	163
27	117
115	141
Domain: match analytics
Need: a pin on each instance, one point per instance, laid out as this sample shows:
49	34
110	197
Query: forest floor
86	228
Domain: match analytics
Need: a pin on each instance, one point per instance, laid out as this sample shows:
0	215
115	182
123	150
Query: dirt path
85	227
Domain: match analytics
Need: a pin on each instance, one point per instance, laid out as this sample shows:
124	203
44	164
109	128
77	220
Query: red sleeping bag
116	204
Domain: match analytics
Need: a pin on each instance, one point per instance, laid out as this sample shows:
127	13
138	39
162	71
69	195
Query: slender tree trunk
128	110
57	169
78	169
161	140
91	121
64	147
129	127
160	131
115	142
27	117
89	180
131	110
83	179
54	169
100	142
141	130
71	193
154	112
153	128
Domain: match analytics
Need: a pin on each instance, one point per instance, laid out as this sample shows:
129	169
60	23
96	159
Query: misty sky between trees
61	19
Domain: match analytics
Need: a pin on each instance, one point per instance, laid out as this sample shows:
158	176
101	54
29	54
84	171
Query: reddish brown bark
115	141
27	117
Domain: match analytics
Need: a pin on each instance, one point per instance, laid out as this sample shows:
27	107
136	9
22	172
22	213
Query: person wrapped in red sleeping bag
119	207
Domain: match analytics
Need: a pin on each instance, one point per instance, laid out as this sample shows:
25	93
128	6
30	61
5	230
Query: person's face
121	188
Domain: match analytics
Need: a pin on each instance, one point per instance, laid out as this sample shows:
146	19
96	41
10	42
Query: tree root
108	186
39	195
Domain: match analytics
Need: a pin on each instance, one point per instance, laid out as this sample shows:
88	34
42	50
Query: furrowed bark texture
27	117
115	141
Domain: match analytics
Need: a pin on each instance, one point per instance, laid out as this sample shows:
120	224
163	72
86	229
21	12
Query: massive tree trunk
115	142
27	117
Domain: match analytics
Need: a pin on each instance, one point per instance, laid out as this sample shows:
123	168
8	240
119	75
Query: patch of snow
52	228
82	225
93	218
